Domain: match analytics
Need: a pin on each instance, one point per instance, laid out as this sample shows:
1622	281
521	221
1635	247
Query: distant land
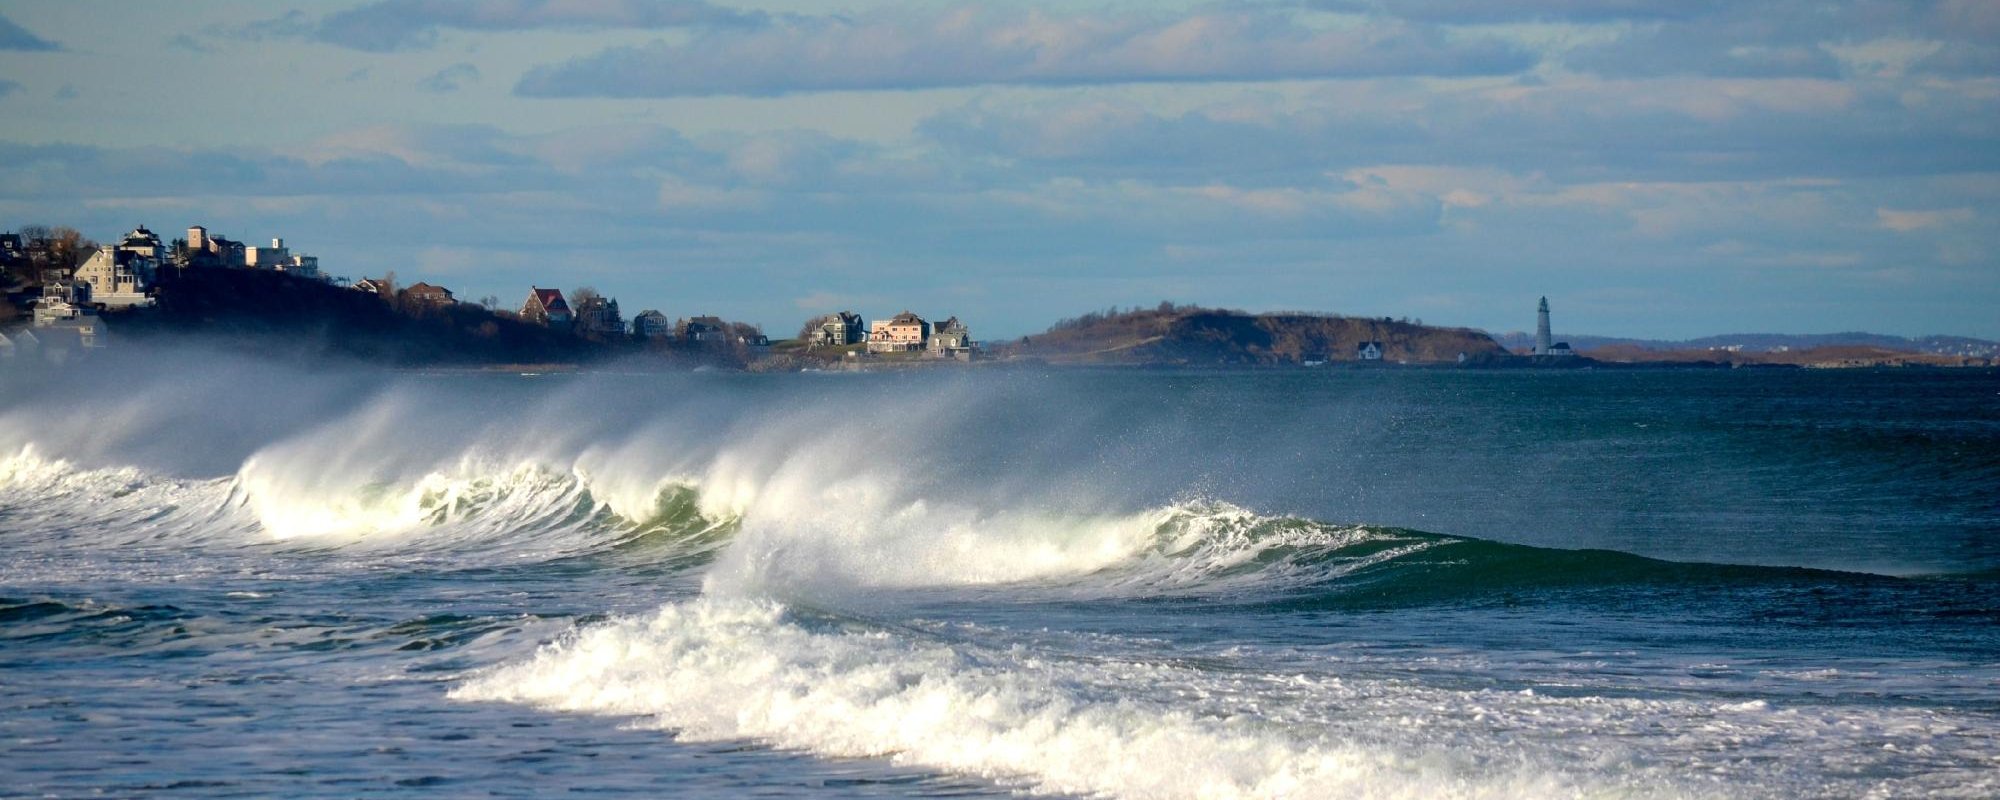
1191	335
279	313
1772	342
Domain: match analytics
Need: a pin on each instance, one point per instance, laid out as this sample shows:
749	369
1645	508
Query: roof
549	298
906	318
1366	345
427	288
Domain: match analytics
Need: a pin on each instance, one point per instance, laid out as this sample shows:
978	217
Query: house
1368	351
144	244
273	257
901	333
303	265
704	329
12	249
119	278
380	287
1561	349
67	327
546	307
838	330
213	251
651	324
428	294
598	316
62	298
950	339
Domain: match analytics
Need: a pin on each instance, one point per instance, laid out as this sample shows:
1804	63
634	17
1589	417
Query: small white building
1368	351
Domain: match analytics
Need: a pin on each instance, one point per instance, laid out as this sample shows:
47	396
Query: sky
1657	168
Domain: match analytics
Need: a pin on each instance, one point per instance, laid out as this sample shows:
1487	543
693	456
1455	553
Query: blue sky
1658	168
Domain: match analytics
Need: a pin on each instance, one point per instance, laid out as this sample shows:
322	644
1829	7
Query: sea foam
732	668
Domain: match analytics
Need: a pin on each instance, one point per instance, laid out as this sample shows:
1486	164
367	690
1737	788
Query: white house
1369	351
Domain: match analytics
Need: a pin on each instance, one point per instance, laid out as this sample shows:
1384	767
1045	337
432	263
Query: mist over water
1130	584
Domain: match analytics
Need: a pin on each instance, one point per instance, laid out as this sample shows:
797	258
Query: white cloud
1909	221
982	45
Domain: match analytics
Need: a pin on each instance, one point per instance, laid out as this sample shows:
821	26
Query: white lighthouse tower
1543	341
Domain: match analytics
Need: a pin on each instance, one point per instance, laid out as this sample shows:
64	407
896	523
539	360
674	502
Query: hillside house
904	332
118	278
205	250
144	244
838	330
598	317
705	329
651	324
428	294
546	307
1368	351
380	287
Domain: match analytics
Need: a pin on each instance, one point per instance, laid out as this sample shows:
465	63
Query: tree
810	331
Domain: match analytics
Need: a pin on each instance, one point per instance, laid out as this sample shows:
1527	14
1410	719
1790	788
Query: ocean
223	576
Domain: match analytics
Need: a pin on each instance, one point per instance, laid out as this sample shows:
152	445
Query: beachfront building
950	339
904	332
546	307
64	324
1368	351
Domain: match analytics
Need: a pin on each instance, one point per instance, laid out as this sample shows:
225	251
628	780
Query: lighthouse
1543	341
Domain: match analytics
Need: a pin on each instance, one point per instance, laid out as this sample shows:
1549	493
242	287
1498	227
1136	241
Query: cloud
410	24
1796	38
1571	127
15	37
1804	38
450	79
190	44
1485	11
1908	221
974	46
8	87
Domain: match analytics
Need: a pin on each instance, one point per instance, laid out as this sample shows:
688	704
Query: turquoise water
235	578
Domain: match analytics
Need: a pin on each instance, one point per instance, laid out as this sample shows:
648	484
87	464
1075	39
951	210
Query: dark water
230	578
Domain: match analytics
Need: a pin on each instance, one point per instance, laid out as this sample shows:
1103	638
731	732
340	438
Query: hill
274	312
1195	336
